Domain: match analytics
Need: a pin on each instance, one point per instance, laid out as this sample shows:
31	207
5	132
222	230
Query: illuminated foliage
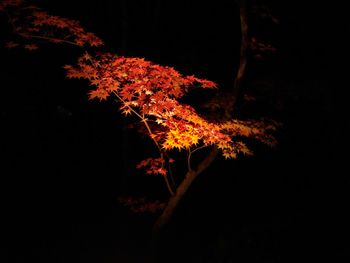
143	89
31	23
151	92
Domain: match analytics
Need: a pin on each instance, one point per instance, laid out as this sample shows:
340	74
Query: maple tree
146	90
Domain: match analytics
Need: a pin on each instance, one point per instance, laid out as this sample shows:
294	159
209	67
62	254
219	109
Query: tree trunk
243	51
180	192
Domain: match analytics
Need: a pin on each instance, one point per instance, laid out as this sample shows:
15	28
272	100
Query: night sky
66	160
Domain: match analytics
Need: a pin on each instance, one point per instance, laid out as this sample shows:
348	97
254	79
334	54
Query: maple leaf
153	166
126	111
99	93
126	93
207	84
159	121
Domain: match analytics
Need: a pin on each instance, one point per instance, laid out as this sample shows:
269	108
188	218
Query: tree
148	92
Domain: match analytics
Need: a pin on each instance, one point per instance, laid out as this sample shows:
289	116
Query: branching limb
144	120
190	155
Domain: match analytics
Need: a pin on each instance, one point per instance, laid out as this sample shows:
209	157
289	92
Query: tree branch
164	218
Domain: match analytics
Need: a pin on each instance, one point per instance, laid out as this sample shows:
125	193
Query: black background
66	160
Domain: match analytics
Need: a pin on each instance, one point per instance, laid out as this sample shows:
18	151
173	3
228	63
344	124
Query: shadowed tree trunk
237	89
181	190
244	45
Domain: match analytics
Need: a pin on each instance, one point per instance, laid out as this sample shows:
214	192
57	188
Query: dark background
66	160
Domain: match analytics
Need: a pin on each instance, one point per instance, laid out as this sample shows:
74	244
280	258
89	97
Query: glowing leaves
153	166
147	88
181	139
75	72
260	130
207	84
90	69
29	22
190	80
228	151
241	147
151	92
99	94
126	111
237	128
88	38
60	28
127	93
